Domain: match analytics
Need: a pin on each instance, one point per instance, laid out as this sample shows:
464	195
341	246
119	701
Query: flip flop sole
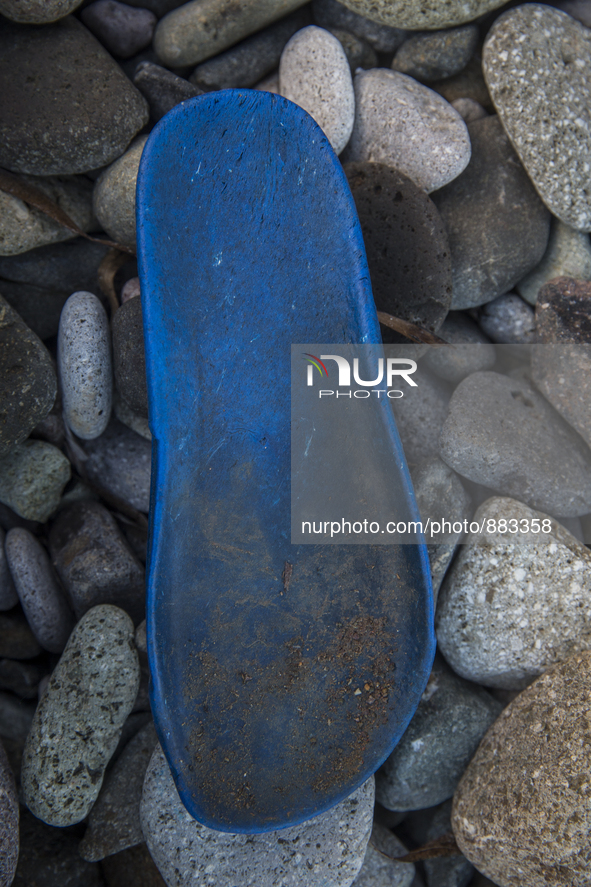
282	675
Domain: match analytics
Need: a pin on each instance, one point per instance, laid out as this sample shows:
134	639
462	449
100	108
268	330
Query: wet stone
79	718
508	320
538	58
129	360
123	29
330	14
429	15
84	365
469	350
182	39
377	870
32	479
497	225
28	385
568	255
9	821
436	55
55	123
133	867
314	73
252	59
8	595
162	89
520	811
402	123
114	195
17	641
40	594
37	12
120	462
114	821
508	609
406	243
488	434
327	849
428	762
20	678
94	562
61	267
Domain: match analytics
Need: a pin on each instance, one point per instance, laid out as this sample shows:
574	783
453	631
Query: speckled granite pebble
37	12
32	478
40	594
497	225
536	62
489	434
93	560
406	244
84	365
314	73
8	595
9	822
28	385
17	641
428	762
120	461
508	320
428	15
124	30
52	121
129	359
79	718
469	350
508	610
114	195
201	29
327	849
520	813
114	821
331	14
406	125
436	55
568	255
379	871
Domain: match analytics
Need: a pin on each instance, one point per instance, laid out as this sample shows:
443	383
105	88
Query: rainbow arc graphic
314	361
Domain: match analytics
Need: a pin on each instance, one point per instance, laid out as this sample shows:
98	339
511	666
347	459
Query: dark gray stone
129	360
428	825
60	267
331	14
162	89
420	415
469	109
436	55
32	478
9	821
37	12
28	383
249	61
67	107
123	29
469	350
508	320
379	869
94	562
359	53
468	84
133	867
17	641
40	308
563	312
497	225
20	678
428	762
160	8
8	595
114	821
41	596
16	717
120	462
406	243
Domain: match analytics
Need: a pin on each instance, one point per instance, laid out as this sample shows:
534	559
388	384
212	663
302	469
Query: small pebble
451	871
469	110
162	89
328	849
245	64
54	123
130	290
94	562
79	719
114	195
123	29
84	365
508	320
20	678
469	350
128	417
8	595
181	39
41	596
314	73
359	53
32	479
428	762
497	225
436	55
406	125
563	312
270	83
568	255
29	385
9	822
37	12
509	608
129	359
416	16
133	867
17	641
420	416
379	871
114	821
330	14
521	810
500	432
120	462
553	139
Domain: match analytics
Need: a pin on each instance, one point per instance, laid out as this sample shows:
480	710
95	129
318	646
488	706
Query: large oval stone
428	15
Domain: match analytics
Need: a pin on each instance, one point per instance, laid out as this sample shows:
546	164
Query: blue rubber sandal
282	675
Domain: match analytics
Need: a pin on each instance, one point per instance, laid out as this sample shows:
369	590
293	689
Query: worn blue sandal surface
282	675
